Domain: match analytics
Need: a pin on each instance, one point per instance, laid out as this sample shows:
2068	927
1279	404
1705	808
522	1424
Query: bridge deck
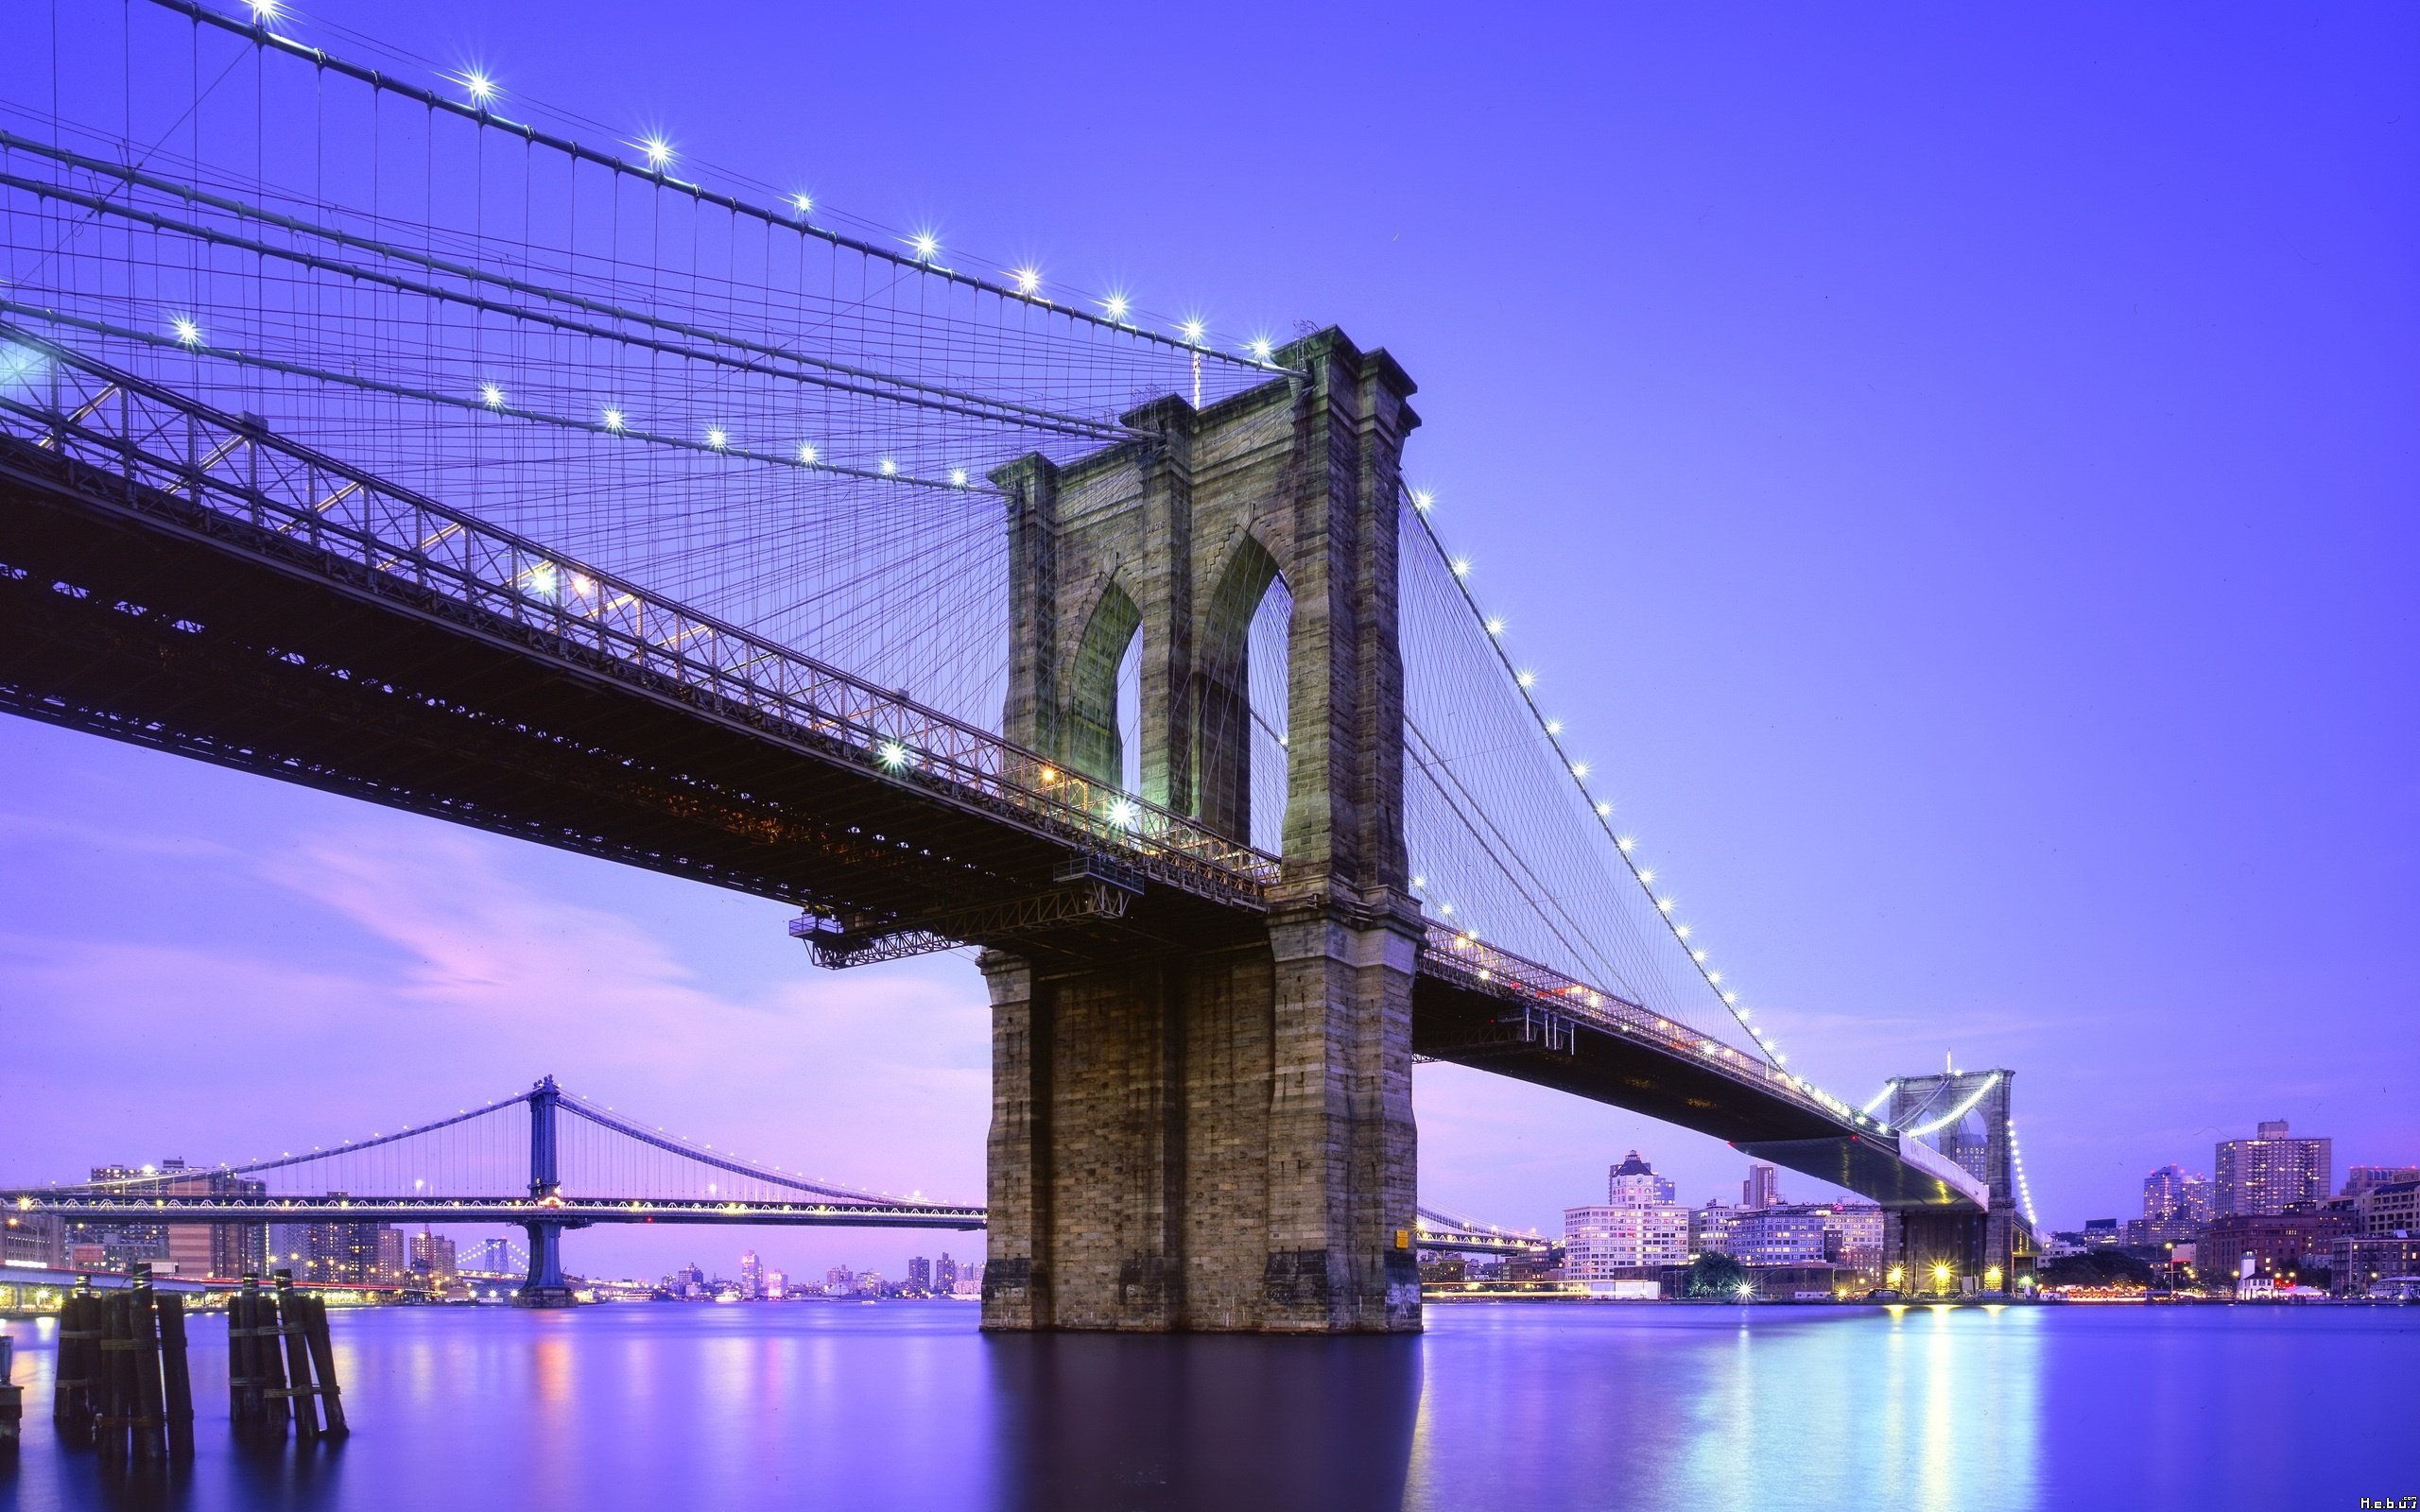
1496	1012
165	617
572	1213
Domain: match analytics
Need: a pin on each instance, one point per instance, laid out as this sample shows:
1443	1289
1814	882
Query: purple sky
1957	475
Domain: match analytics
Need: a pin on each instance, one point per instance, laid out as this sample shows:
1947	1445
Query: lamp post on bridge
544	1286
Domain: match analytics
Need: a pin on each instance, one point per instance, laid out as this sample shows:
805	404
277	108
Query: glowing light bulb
1461	566
1580	769
1664	905
958	477
1116	305
1647	876
1554	727
927	245
186	331
1494	627
1028	280
890	468
1682	930
805	204
264	10
659	152
1698	957
1261	349
1715	976
612	419
715	438
480	88
1192	329
1625	844
491	396
1527	680
1422	499
806	454
891	754
1604	811
1420	881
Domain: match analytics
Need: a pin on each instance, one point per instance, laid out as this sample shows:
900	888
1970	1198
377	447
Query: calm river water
905	1405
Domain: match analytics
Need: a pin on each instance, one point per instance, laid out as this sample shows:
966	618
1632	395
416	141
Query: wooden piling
292	1308
175	1376
115	1393
243	1395
145	1420
269	1367
73	1383
12	1409
323	1357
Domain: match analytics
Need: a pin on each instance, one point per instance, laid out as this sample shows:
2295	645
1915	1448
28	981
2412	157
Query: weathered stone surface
1220	1138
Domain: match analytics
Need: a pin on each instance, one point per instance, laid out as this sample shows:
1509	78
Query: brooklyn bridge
370	431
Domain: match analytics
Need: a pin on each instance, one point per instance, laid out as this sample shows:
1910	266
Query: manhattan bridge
366	427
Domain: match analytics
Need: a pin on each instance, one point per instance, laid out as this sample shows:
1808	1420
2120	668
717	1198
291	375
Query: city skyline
1711	513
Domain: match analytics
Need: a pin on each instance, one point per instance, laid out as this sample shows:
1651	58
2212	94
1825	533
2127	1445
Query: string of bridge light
1524	682
922	248
186	333
2024	1188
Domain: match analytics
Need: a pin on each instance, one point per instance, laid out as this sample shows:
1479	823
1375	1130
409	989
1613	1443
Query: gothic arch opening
1242	751
1100	726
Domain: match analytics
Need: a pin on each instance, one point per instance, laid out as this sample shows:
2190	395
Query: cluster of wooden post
281	1364
122	1386
12	1396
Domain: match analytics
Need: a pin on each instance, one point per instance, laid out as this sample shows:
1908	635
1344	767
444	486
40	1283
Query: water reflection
1120	1421
1618	1406
1544	1407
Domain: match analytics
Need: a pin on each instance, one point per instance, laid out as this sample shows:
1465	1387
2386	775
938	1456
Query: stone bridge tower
1220	1138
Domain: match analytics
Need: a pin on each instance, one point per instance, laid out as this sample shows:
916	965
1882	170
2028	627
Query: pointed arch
1223	730
1089	737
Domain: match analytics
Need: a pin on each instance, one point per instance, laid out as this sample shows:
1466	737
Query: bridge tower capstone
1218	1138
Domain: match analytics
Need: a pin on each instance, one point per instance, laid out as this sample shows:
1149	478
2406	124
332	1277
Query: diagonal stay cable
381	386
1100	430
975	407
258	33
1504	846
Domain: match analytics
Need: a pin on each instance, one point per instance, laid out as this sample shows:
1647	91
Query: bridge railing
1461	956
161	443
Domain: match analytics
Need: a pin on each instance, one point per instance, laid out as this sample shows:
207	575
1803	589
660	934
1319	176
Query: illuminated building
1763	1187
2272	1171
2277	1244
2391	1209
1633	1183
919	1274
1710	1229
944	1275
2175	1208
752	1276
1782	1235
432	1256
2361	1180
33	1240
1639	1227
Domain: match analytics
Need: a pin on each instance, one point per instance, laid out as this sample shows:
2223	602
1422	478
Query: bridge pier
1220	1142
1219	1135
544	1286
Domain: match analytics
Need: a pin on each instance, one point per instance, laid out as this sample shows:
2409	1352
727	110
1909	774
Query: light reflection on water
905	1406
